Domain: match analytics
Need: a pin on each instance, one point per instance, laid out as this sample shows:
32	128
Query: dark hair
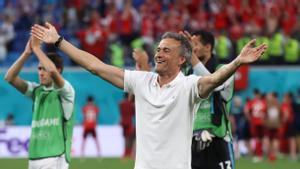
90	98
275	94
256	91
185	47
290	94
57	60
206	38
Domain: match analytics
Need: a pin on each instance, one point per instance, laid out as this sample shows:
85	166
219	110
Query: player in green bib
212	139
53	105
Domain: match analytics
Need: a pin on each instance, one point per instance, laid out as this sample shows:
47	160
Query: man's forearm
46	62
107	72
15	69
222	74
194	60
81	57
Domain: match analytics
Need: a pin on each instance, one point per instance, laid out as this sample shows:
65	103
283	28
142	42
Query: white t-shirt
164	118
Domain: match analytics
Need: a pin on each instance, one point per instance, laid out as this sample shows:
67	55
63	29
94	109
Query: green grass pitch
116	163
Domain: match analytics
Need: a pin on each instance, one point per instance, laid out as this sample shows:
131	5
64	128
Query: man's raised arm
248	54
48	34
12	74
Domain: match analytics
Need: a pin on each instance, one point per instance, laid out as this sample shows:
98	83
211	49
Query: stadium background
109	29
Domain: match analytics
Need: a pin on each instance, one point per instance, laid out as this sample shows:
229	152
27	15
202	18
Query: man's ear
59	70
208	47
182	60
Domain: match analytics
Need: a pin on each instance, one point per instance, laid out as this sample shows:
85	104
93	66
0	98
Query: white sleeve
30	87
200	70
133	80
129	82
194	88
227	92
67	95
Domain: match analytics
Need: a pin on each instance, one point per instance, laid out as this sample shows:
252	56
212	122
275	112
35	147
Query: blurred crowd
109	29
266	125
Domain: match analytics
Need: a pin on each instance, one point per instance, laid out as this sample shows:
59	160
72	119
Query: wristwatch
56	44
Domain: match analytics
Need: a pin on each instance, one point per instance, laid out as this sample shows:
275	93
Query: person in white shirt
165	100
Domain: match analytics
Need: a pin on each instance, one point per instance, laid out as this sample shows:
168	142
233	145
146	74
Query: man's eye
166	50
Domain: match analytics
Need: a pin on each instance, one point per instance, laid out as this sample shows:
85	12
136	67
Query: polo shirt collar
172	83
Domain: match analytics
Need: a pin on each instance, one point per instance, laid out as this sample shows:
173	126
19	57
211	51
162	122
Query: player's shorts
242	127
87	132
272	133
49	163
128	130
290	131
218	155
257	131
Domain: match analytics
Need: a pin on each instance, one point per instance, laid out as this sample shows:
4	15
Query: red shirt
147	26
126	23
94	40
221	20
127	111
258	109
90	113
287	108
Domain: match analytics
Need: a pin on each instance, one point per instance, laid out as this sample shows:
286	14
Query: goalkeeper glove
203	139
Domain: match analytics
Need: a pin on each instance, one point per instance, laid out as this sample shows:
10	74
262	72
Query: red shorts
87	132
257	131
272	133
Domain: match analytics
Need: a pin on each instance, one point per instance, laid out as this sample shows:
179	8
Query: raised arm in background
141	60
47	64
12	75
48	34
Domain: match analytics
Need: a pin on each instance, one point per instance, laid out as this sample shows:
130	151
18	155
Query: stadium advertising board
14	142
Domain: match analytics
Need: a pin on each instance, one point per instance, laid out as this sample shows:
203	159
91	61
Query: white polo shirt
164	118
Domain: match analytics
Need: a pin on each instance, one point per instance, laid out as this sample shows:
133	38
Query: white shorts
49	163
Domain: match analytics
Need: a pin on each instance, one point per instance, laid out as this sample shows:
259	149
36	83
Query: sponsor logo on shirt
45	122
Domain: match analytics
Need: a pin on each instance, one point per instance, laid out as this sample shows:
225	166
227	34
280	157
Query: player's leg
221	155
258	134
131	135
95	136
85	133
125	135
199	156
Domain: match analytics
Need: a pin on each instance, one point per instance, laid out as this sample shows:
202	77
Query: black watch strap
56	44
